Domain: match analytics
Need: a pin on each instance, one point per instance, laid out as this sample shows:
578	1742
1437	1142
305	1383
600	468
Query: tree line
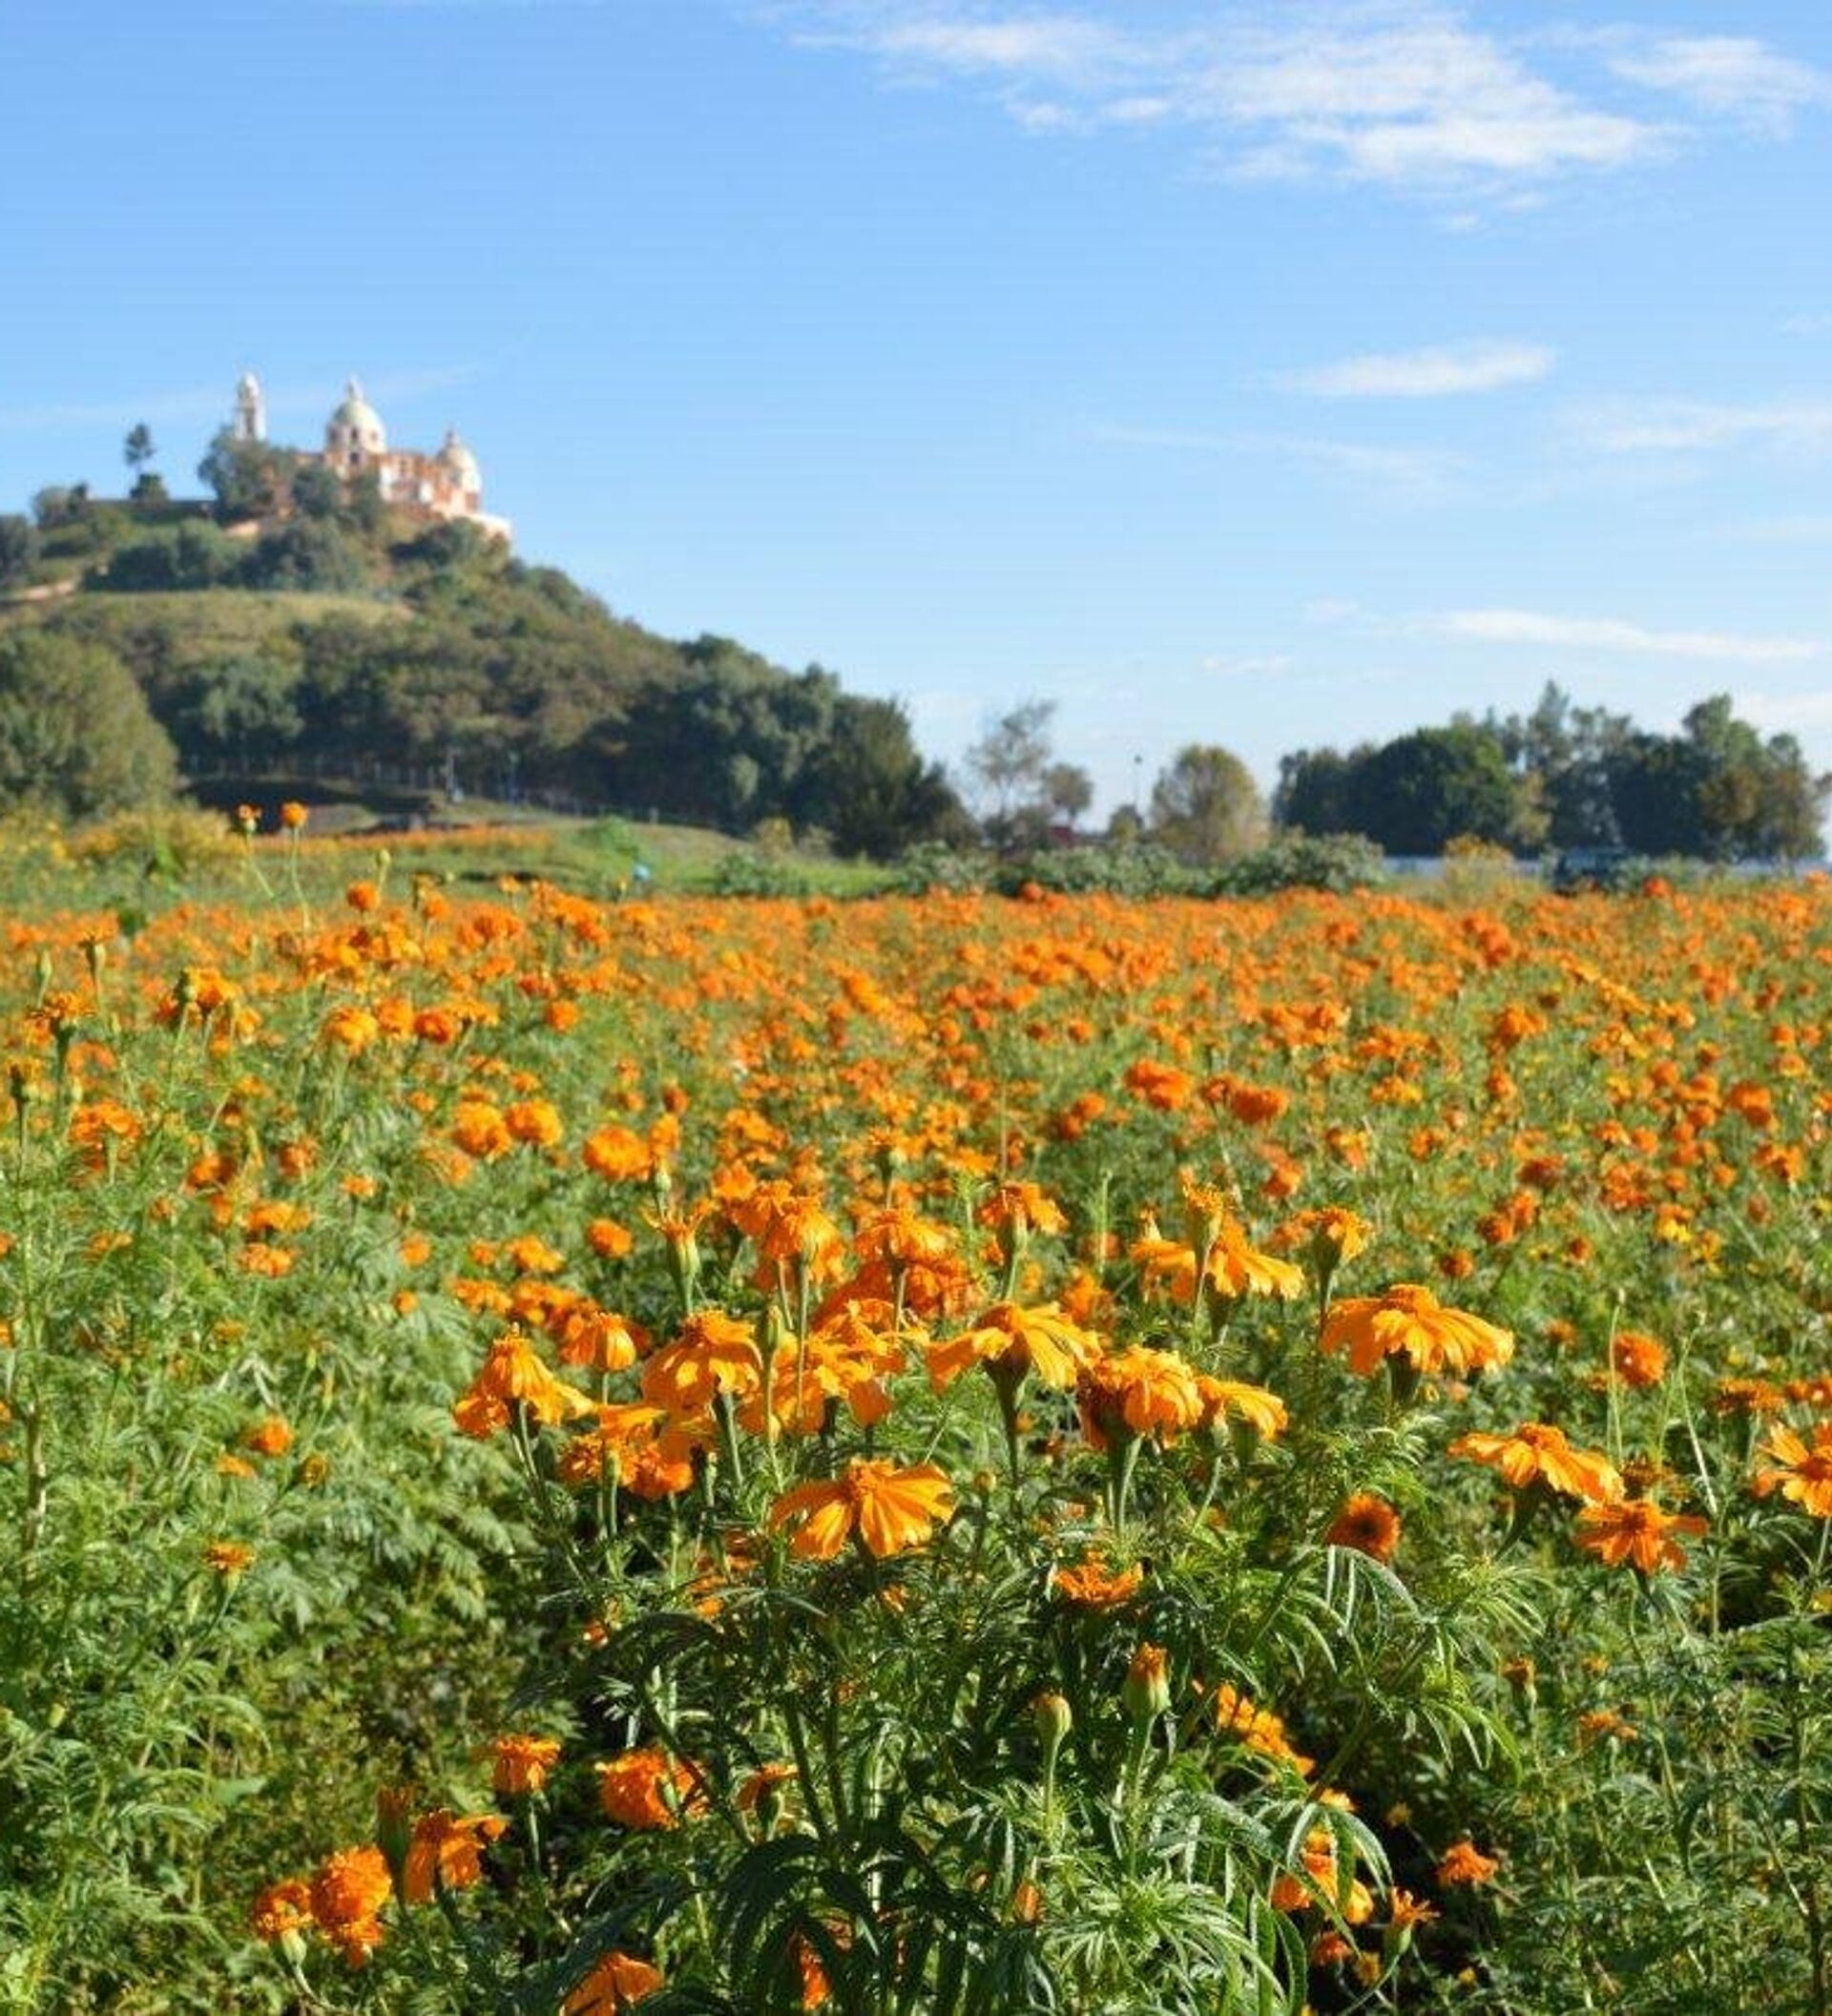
1566	777
437	646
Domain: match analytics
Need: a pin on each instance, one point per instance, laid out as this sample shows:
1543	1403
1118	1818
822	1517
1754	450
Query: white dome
460	462
358	419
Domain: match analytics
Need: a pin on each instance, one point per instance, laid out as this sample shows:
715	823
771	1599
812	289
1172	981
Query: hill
333	638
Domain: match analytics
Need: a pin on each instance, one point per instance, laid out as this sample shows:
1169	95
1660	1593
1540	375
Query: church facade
446	484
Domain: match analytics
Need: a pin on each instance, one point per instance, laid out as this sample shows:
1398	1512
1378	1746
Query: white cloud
1807	325
1784	712
1418	474
1409	94
1632	427
1611	633
1442	370
1731	76
1789	531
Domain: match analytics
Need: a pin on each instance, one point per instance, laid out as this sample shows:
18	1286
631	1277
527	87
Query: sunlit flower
891	1510
446	1853
520	1764
646	1790
1463	1863
1637	1531
1409	1322
1368	1525
618	1983
1636	1359
1536	1452
1015	1341
1802	1473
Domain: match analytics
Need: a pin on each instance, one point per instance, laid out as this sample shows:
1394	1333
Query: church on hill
447	484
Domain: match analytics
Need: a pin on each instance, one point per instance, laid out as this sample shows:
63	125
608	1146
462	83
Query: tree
870	788
18	549
317	493
1319	789
75	734
139	449
250	479
1206	807
1434	785
1068	790
1010	767
245	710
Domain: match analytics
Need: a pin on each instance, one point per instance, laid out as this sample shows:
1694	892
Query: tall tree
137	450
1206	807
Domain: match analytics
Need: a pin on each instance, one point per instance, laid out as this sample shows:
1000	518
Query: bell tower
251	409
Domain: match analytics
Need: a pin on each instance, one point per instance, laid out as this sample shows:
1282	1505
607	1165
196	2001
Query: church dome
460	462
356	423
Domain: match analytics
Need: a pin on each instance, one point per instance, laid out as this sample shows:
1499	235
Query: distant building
447	484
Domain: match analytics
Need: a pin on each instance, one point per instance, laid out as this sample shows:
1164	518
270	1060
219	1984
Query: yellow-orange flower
1636	1359
446	1853
1015	1341
891	1510
646	1790
1256	1728
616	1984
520	1764
348	1895
1225	1400
1536	1452
1368	1524
1801	1473
1409	1322
1637	1531
1464	1863
1140	1390
512	1375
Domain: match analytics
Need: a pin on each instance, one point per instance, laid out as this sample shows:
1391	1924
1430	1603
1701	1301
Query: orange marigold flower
713	1354
1536	1452
348	1895
1257	1728
1233	1398
1464	1863
1014	1340
1637	1531
616	1984
446	1853
1636	1359
1140	1390
1146	1691
1368	1524
599	1339
1409	1322
228	1557
1802	1474
520	1763
1403	1911
281	1908
889	1509
618	1154
293	815
1089	1584
646	1790
270	1436
512	1375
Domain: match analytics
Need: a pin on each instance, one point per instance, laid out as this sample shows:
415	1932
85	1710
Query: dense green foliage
75	735
302	628
1566	777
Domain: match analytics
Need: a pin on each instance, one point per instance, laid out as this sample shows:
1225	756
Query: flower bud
1147	1692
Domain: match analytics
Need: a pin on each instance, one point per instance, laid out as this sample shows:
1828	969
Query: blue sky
1234	370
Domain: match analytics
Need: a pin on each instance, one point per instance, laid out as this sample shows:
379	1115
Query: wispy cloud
1782	712
1729	77
1442	370
1408	95
203	404
1413	474
1788	531
1641	427
1611	634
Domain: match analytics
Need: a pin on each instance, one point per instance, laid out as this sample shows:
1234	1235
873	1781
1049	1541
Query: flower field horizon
940	1454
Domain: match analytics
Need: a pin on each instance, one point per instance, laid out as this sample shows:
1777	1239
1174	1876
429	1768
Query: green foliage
1339	862
1206	807
75	734
18	549
1573	776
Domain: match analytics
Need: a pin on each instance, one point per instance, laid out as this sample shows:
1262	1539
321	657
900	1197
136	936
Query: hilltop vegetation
332	637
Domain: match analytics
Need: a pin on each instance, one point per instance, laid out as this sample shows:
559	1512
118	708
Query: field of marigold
905	1456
